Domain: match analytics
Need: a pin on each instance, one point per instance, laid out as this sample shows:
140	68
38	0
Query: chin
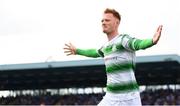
104	31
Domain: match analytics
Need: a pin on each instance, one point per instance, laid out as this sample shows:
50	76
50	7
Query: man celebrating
119	57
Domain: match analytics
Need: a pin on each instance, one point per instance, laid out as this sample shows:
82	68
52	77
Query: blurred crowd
160	97
149	97
78	99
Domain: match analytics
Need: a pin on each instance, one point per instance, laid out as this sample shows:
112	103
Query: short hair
114	12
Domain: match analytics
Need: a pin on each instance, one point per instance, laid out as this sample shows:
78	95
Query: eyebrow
105	19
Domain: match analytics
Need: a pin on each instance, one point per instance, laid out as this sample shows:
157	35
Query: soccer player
119	57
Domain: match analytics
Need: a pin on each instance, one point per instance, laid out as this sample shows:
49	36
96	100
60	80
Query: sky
36	30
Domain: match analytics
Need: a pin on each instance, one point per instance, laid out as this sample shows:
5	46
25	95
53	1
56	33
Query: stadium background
35	70
82	82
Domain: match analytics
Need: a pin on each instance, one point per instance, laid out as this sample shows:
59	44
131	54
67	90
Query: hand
70	49
157	35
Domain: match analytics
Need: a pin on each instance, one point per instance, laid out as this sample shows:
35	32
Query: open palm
157	34
69	49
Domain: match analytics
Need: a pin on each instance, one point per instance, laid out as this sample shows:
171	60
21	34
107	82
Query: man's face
109	23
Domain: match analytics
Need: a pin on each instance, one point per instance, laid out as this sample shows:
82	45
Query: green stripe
131	45
119	47
109	49
122	87
118	67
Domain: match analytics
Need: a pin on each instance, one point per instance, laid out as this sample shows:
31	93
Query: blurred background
35	70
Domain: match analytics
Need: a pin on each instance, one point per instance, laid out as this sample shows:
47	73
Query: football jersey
119	57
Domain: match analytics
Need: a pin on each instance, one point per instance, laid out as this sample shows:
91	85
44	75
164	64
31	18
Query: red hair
114	12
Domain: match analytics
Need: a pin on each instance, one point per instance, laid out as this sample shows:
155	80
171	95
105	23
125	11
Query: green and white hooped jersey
119	58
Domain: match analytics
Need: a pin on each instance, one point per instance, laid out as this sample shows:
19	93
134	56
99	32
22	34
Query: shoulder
125	35
126	38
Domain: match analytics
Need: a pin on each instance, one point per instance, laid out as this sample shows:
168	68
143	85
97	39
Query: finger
69	54
66	48
67	45
71	44
159	28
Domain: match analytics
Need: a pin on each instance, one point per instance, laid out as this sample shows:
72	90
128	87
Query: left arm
137	44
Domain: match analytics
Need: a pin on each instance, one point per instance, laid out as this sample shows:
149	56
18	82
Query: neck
112	35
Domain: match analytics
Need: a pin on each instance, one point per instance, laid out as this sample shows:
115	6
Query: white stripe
118	58
121	77
121	97
114	41
125	42
116	54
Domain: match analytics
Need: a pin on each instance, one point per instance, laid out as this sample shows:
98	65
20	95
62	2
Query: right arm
72	50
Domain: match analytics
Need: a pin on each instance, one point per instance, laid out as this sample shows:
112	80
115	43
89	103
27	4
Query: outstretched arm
72	50
137	44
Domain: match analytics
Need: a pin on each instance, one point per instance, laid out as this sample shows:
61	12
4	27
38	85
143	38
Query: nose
103	23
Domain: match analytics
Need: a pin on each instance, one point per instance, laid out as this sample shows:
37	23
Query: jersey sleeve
101	54
135	44
88	52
